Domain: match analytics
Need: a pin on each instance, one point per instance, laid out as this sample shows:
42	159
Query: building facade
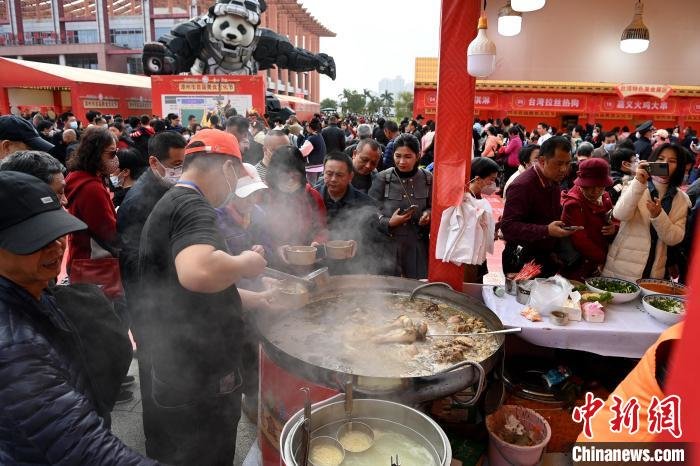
109	34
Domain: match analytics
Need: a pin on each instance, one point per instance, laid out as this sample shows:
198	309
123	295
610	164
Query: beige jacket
629	253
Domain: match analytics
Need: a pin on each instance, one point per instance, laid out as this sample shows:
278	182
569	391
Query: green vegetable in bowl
670	305
613	286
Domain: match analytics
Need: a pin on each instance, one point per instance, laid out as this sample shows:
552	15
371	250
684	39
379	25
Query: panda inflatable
228	40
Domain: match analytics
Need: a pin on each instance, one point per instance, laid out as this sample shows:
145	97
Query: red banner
639	105
486	100
561	102
655	90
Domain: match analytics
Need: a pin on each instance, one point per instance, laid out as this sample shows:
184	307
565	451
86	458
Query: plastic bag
550	294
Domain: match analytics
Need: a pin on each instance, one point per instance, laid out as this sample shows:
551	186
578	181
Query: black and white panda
228	40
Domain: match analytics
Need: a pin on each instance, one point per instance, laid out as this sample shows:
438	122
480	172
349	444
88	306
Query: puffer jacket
47	414
629	253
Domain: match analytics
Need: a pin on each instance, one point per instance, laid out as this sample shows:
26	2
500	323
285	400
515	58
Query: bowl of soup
656	286
300	255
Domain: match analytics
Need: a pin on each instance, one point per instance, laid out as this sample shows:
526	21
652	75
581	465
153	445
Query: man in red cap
192	310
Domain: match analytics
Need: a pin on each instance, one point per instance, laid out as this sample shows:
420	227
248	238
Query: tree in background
352	101
387	102
329	103
404	105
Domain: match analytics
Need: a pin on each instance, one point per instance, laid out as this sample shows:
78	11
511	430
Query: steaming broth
325	455
355	441
388	444
340	333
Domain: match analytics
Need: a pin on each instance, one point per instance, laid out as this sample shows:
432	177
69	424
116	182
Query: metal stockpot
397	417
408	390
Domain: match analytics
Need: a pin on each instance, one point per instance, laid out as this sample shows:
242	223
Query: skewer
493	332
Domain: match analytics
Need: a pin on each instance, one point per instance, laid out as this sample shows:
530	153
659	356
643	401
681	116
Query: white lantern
635	37
481	53
527	5
509	21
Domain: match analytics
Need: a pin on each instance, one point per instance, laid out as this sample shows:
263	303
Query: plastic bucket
502	453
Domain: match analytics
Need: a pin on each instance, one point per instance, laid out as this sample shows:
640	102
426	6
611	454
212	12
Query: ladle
353	426
492	332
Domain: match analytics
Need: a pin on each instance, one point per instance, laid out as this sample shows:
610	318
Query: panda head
233	31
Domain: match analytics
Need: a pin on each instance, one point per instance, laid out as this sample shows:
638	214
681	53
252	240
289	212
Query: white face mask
172	175
489	189
73	125
115	180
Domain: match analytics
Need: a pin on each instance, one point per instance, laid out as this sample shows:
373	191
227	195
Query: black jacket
334	137
48	414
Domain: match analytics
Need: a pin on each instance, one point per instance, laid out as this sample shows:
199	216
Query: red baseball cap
214	141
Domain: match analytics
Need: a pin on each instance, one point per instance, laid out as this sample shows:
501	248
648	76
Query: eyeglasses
112	153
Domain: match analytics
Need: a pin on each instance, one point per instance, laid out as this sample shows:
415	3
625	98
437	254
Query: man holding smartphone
530	224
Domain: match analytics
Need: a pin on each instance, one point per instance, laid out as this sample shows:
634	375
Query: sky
375	39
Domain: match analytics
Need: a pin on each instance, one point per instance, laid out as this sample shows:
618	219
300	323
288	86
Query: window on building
82	61
87	36
40	38
134	65
129	38
42	59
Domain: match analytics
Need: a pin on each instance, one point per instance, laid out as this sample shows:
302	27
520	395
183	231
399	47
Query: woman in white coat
653	212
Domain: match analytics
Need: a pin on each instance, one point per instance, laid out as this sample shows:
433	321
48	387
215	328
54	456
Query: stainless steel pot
330	414
408	390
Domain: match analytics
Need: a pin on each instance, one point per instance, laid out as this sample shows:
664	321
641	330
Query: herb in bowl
670	305
613	286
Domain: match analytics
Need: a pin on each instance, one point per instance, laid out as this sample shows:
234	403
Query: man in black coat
642	146
333	136
49	407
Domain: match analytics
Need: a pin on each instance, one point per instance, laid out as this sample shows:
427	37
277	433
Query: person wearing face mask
623	167
88	197
484	173
588	205
295	213
653	212
130	169
607	147
191	310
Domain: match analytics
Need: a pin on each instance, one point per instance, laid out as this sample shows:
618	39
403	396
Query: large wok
407	390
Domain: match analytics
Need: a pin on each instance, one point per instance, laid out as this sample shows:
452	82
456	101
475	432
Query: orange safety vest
640	383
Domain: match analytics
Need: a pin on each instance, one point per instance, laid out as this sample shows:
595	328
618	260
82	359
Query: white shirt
543	138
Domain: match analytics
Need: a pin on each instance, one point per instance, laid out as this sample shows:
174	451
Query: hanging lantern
509	21
527	5
481	53
635	37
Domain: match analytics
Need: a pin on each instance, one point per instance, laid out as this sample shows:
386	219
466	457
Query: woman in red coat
588	205
88	197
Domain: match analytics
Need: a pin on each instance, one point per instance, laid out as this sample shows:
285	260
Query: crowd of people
176	223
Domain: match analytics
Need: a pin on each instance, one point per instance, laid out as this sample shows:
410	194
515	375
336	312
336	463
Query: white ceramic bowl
681	290
618	298
665	317
300	255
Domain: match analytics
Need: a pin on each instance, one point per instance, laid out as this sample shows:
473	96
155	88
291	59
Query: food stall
27	87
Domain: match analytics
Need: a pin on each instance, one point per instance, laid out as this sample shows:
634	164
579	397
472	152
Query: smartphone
571	228
658	169
411	209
